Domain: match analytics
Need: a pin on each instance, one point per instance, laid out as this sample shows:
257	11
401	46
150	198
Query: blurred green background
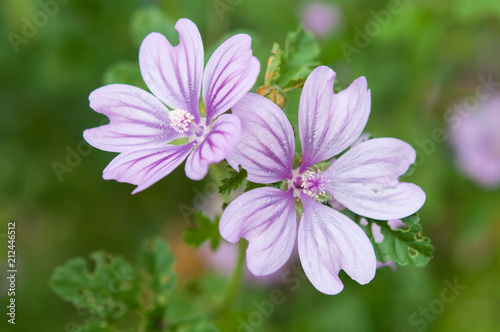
426	58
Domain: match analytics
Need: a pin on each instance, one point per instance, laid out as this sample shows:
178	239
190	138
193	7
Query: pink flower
476	141
141	126
364	180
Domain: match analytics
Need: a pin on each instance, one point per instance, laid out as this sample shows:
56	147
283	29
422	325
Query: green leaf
290	67
404	246
152	19
233	182
105	292
124	72
157	278
206	230
301	57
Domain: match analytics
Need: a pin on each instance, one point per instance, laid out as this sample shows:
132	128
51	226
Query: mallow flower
144	125
364	179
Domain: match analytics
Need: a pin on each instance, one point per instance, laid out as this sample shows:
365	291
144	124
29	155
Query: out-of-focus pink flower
321	18
476	141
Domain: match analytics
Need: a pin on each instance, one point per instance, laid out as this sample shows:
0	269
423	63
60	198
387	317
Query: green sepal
252	185
275	94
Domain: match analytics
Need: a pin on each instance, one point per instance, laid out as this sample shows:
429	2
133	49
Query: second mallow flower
364	179
141	126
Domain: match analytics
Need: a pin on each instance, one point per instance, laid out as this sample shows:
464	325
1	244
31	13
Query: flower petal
173	74
266	218
328	241
137	118
230	73
147	166
328	122
365	180
221	139
267	144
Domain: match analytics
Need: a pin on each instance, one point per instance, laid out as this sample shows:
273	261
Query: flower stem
237	274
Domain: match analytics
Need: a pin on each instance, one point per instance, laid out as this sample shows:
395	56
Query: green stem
237	274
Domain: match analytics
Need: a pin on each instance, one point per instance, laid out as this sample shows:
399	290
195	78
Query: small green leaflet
207	230
233	181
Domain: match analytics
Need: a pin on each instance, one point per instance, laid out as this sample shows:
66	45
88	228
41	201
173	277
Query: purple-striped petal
365	180
328	122
267	144
136	117
230	73
147	166
174	74
328	241
221	139
266	218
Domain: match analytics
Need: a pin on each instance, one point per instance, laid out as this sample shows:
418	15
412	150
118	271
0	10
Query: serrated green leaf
233	181
105	292
157	278
206	230
152	19
404	246
125	73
